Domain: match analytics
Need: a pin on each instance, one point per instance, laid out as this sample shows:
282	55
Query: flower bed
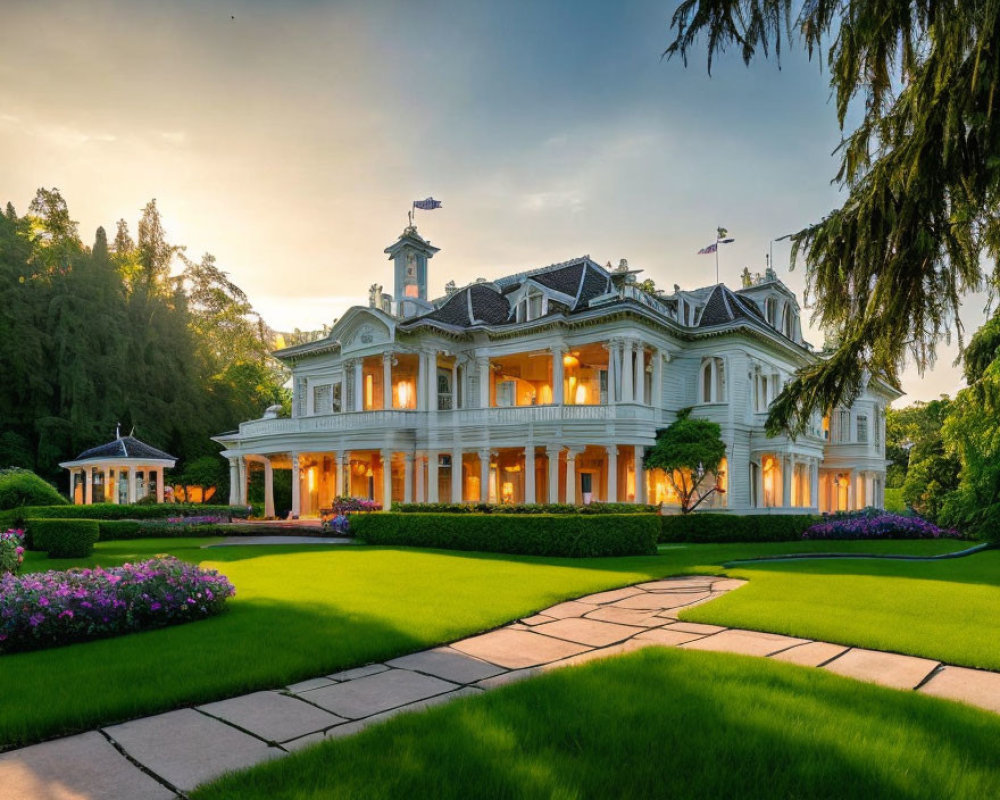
11	551
55	608
880	525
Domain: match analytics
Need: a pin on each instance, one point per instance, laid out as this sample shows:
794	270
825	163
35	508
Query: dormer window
533	305
713	380
770	310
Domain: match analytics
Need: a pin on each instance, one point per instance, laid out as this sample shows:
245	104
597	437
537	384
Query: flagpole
716	257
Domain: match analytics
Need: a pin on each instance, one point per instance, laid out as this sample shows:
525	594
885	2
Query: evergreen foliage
94	336
21	487
689	450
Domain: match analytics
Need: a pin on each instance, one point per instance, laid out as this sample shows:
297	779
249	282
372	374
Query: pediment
362	328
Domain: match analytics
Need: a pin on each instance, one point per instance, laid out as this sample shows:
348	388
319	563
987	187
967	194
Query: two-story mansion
547	386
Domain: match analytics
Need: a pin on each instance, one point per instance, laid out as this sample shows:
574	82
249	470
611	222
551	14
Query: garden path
169	754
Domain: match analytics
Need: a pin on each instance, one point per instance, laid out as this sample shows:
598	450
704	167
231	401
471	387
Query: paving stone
373	694
751	643
611	596
537	619
509	677
305	686
677	585
304	741
75	768
810	654
641	617
359	725
515	649
588	631
358	672
666	637
619	649
273	716
517	626
887	669
187	748
574	608
662	600
727	584
972	686
452	665
694	627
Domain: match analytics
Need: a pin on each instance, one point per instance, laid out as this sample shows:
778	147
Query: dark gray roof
472	305
724	305
565	280
124	447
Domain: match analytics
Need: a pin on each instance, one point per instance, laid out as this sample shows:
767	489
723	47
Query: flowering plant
11	550
55	608
877	525
346	505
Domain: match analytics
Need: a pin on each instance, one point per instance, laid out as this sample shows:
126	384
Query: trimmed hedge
525	508
121	529
22	487
63	538
112	511
568	535
706	527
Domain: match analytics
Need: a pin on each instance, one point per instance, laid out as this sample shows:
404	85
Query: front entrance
587	488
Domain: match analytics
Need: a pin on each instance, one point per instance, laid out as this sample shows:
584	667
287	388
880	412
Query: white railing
332	422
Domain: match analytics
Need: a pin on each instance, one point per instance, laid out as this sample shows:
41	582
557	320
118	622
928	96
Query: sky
289	139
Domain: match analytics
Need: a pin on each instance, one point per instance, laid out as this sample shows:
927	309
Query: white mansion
546	386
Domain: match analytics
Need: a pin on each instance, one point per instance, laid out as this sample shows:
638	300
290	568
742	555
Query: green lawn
302	611
658	723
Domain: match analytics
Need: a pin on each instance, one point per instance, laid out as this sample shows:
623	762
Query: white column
454	384
557	376
386	480
483	367
421	492
432	384
484	475
612	474
359	386
421	381
529	473
640	475
657	395
456	475
343	466
759	488
343	391
851	478
407	477
640	374
432	476
88	486
787	469
571	455
814	483
234	482
616	363
628	374
268	488
131	484
552	451
296	487
387	381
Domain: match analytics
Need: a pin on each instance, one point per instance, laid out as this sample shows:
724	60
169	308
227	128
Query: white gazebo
124	470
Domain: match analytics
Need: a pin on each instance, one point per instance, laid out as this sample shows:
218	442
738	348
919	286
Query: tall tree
689	451
888	268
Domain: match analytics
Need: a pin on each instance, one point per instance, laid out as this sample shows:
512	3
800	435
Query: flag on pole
709	249
427	205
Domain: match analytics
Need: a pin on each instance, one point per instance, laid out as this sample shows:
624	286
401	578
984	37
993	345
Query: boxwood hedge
62	538
569	535
112	511
706	527
524	508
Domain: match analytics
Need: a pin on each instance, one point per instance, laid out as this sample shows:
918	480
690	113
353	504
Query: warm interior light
412	290
369	390
581	394
311	475
513	468
404	393
570	361
545	394
507	492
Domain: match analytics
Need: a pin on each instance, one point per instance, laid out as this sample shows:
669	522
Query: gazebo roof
124	447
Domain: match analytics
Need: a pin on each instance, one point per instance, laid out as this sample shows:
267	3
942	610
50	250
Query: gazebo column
234	482
296	487
268	488
159	485
88	486
131	484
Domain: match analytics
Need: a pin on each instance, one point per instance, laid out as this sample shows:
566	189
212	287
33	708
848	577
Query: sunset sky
290	138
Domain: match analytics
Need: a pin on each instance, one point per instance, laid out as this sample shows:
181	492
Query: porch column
387	381
420	489
552	451
343	466
432	476
296	487
454	384
814	483
88	486
234	482
571	455
484	475
386	479
407	477
483	367
616	364
456	475
640	475
131	484
268	488
759	488
787	472
529	473
612	494
557	375
359	387
656	398
851	477
432	384
640	374
628	373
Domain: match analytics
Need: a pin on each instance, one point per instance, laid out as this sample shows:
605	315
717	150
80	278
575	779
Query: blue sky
290	140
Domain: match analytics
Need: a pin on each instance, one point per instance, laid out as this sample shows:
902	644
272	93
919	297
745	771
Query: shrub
705	527
575	536
894	501
877	525
11	551
22	487
113	511
525	508
116	530
63	538
56	608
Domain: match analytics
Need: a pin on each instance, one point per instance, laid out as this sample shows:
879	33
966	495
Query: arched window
770	309
713	380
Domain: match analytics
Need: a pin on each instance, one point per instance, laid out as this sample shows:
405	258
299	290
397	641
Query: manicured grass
303	611
947	610
658	723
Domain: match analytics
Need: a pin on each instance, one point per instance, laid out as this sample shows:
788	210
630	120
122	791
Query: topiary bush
63	538
705	527
569	535
22	487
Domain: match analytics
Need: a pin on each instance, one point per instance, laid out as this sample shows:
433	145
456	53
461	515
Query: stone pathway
169	754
